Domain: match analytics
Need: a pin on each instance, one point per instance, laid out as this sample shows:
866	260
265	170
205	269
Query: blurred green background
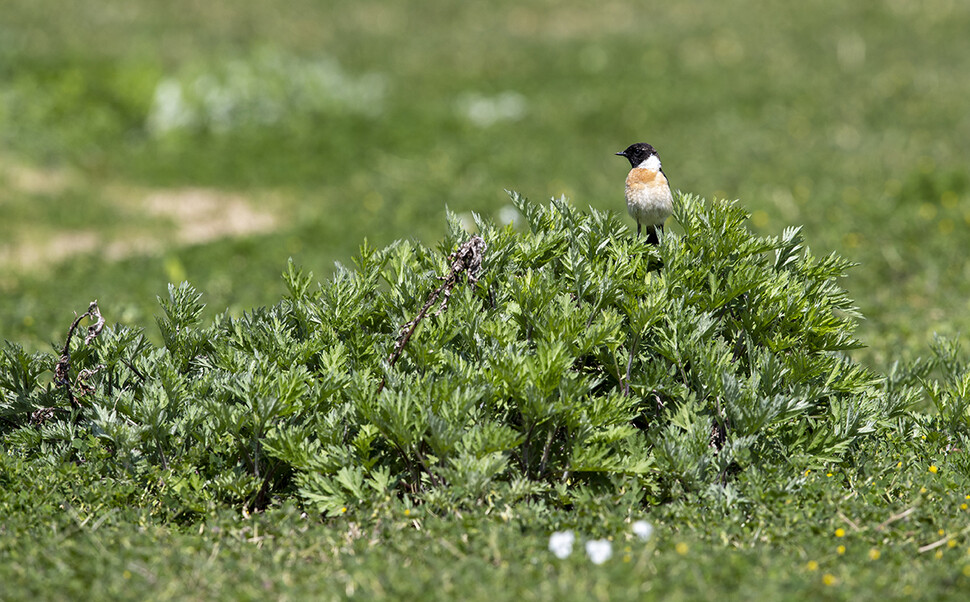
148	142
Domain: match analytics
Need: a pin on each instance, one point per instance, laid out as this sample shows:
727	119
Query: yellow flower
952	543
840	550
933	468
939	554
899	465
874	554
966	570
407	512
941	532
343	509
681	548
964	506
840	532
829	579
812	565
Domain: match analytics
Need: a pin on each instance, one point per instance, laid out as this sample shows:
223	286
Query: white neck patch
652	163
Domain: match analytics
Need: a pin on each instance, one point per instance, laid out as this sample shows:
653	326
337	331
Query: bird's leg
639	227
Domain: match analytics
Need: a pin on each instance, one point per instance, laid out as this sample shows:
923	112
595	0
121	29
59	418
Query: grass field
147	143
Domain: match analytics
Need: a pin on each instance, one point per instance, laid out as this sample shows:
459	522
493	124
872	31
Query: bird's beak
622	153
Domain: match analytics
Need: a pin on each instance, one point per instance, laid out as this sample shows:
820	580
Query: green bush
575	361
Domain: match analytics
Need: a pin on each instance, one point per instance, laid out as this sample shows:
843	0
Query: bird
648	198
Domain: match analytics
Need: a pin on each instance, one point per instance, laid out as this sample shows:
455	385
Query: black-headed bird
648	197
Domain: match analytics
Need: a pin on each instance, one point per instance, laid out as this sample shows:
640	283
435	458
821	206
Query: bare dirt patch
58	247
202	214
184	216
34	180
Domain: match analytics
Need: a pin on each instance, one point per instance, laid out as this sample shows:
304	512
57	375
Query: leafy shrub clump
575	359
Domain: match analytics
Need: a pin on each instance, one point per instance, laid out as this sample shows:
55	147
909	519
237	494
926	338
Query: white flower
599	550
642	529
561	543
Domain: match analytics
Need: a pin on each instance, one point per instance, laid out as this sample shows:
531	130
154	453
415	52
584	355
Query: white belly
649	205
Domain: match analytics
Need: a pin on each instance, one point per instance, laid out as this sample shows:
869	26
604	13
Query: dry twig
62	370
467	261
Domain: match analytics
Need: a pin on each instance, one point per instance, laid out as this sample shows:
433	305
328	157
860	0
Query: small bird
648	197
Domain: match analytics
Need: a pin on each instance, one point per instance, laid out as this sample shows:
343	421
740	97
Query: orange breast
640	177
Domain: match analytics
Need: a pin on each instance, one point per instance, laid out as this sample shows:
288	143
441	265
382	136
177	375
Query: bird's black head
638	153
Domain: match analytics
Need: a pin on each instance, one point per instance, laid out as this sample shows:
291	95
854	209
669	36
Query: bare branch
467	260
62	371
